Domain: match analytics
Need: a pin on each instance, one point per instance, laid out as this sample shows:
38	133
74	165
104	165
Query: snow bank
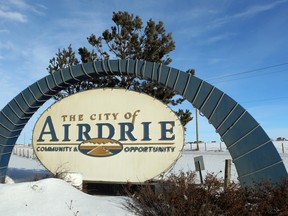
55	197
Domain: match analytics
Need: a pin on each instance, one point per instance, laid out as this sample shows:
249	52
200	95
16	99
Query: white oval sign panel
109	135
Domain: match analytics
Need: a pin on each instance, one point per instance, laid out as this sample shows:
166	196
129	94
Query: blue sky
241	47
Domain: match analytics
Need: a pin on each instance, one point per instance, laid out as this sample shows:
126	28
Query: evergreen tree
127	39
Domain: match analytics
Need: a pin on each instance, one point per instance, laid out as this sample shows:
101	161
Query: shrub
180	195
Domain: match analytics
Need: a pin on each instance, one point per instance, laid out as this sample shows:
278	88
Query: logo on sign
100	147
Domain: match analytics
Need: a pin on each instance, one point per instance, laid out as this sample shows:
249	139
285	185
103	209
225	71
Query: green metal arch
252	151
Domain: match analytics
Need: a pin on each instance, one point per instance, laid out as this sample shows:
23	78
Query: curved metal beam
252	151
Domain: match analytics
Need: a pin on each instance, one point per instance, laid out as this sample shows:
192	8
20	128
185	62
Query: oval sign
109	135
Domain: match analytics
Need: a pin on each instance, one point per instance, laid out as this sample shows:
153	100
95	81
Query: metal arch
252	151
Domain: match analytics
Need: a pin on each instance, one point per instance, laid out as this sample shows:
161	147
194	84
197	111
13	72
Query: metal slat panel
202	95
211	103
222	110
170	83
263	157
192	88
182	82
272	173
251	140
243	125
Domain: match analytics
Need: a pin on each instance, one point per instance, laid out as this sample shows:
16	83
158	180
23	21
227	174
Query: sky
238	46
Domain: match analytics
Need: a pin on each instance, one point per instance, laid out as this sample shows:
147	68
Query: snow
55	197
50	196
24	196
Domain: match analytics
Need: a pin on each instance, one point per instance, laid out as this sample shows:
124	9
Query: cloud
4	31
7	45
258	9
215	60
22	5
206	28
18	3
14	16
17	10
252	11
217	38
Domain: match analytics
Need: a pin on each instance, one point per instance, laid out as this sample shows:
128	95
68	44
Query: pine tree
127	39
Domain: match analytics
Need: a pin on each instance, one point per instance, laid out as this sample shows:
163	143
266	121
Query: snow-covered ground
56	197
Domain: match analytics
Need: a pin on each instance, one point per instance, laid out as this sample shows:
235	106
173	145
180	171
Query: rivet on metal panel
201	114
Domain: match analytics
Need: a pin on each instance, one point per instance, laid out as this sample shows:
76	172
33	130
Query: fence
205	146
281	146
24	151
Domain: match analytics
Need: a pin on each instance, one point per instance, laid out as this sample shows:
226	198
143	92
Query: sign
109	135
199	163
